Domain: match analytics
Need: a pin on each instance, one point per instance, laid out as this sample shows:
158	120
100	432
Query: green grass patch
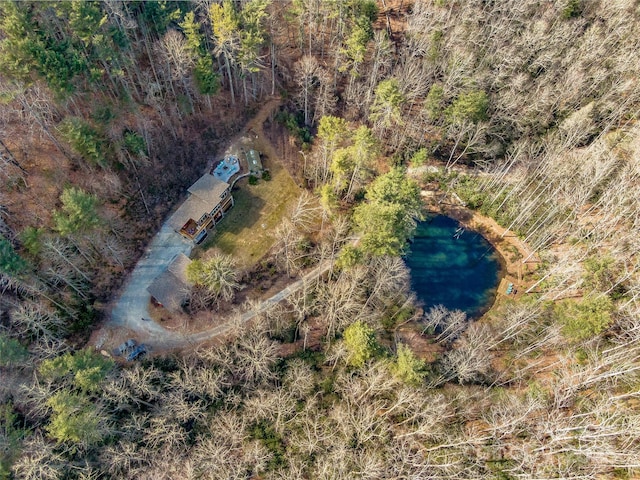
247	232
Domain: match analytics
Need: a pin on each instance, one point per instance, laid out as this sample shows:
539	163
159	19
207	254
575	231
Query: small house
171	288
254	163
209	199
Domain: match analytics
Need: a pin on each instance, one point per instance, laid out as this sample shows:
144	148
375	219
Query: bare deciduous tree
37	319
39	461
446	324
306	71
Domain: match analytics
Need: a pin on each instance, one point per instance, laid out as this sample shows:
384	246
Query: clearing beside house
247	232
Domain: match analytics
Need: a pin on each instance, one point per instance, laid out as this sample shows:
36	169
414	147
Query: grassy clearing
247	232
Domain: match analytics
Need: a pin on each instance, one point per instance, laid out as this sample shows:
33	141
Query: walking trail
130	311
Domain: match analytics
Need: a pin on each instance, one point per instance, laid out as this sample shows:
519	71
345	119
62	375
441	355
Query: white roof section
253	159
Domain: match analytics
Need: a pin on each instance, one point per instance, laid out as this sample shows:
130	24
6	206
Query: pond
452	266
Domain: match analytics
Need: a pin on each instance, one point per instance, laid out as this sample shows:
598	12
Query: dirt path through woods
255	127
130	317
160	339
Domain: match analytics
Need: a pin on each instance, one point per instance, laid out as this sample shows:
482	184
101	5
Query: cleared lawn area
247	232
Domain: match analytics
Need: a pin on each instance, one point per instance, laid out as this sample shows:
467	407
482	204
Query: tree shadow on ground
239	221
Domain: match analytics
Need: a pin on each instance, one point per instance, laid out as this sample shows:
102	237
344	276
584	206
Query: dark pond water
453	267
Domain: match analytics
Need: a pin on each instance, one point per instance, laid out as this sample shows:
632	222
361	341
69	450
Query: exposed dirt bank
518	260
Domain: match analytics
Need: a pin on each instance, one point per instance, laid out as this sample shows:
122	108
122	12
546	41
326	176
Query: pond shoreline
454	266
511	250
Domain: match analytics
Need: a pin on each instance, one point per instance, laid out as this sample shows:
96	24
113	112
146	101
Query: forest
523	112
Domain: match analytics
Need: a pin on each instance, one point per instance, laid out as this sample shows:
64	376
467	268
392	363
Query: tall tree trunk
227	65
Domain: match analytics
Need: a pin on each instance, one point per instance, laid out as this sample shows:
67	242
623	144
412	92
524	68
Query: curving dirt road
130	311
130	307
168	340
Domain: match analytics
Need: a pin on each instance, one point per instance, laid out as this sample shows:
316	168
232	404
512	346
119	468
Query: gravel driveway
131	309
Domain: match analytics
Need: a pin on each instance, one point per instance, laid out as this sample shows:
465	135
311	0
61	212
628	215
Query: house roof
171	287
208	189
179	268
205	195
193	207
253	159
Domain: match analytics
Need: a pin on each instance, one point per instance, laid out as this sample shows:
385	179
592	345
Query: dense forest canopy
523	111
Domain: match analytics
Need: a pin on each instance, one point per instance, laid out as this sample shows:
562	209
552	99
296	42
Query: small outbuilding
254	162
171	288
